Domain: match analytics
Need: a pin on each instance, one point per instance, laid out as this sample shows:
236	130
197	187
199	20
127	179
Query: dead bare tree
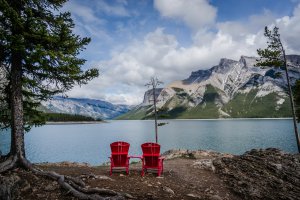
154	82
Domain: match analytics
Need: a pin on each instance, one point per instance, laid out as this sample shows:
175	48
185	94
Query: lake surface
90	142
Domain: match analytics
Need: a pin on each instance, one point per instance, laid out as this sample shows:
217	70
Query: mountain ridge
87	107
229	89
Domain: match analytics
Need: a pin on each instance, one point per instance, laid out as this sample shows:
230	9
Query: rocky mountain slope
229	89
88	107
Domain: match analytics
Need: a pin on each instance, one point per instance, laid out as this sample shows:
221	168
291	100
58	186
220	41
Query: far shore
100	122
279	118
267	118
75	122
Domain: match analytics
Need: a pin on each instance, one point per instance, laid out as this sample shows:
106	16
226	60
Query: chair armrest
117	153
140	157
111	160
161	158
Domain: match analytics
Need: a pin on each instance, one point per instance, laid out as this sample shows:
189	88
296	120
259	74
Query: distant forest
63	117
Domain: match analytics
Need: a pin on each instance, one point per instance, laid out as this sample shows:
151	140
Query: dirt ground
258	174
180	180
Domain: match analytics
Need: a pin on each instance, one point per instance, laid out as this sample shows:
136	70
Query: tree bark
16	98
155	113
17	129
291	101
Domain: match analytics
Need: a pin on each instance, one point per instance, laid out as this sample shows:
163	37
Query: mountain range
88	107
231	89
97	109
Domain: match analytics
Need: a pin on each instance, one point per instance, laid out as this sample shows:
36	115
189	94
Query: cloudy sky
134	40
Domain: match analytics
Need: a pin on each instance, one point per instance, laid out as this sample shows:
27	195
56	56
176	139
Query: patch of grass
134	114
134	162
177	90
207	109
162	123
247	105
210	94
189	155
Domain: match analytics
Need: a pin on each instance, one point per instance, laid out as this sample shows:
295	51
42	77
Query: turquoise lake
90	142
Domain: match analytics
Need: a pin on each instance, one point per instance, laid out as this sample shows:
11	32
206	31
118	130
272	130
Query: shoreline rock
193	154
262	174
65	164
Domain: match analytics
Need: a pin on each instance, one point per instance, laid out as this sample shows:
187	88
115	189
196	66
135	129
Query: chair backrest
151	153
119	147
150	149
119	153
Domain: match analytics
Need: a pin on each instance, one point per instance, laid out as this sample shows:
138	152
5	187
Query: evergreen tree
274	56
38	59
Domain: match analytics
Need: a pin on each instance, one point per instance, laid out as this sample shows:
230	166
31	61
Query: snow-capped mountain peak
228	85
88	107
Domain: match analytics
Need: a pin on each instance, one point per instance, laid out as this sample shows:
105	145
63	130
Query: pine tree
274	56
38	59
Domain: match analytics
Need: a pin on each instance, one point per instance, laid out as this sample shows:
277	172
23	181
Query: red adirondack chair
151	158
119	158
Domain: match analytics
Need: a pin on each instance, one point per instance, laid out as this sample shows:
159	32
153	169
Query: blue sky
133	40
242	9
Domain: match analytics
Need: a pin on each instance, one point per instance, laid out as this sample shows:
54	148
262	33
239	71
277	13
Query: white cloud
84	13
117	10
289	28
241	30
252	31
87	22
195	13
160	54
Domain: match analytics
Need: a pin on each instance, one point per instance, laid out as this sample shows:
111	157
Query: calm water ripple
90	142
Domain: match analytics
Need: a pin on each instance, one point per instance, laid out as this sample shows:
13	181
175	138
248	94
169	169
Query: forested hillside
62	117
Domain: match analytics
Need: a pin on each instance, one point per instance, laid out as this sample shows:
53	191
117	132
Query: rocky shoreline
262	174
257	174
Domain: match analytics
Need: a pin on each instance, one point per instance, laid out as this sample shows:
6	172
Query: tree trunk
292	102
155	115
16	98
17	129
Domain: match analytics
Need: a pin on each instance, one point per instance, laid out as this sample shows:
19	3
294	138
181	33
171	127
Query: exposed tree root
73	185
8	164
